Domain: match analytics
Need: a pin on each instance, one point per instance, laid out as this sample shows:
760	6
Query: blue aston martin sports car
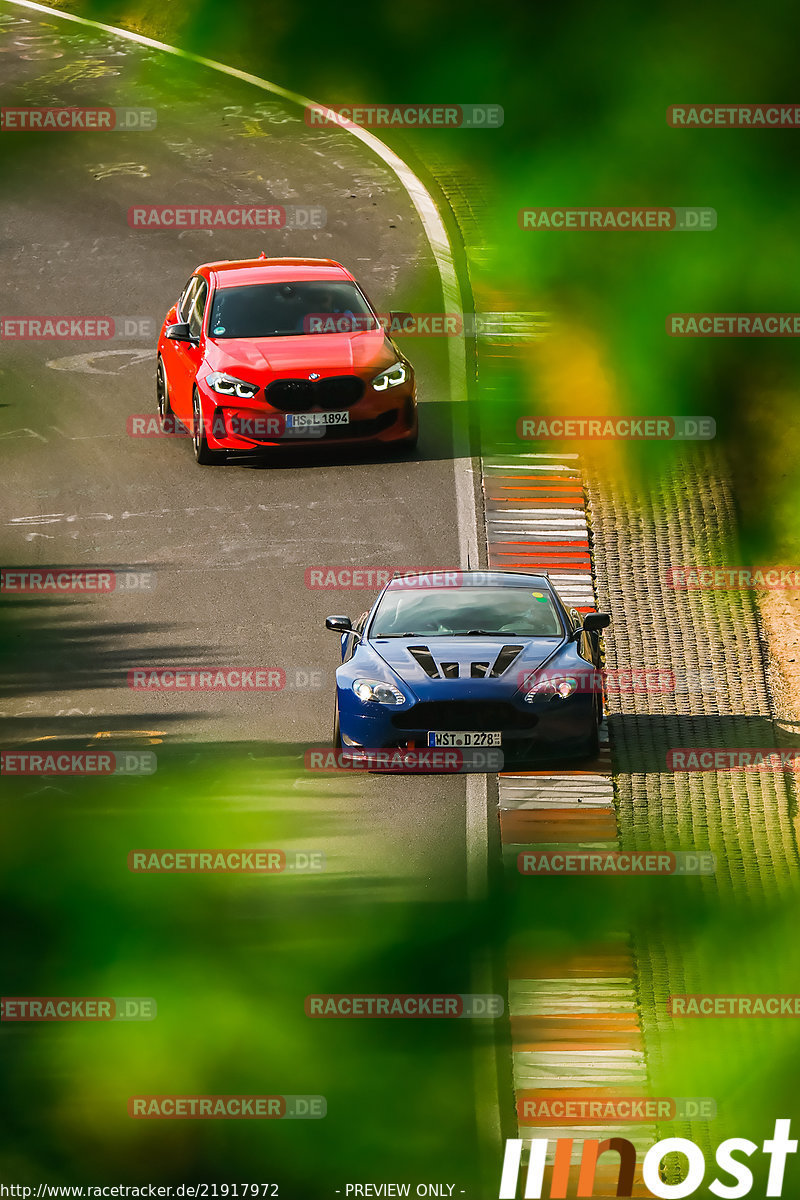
470	659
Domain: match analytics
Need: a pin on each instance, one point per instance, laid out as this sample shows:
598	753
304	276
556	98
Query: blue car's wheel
337	733
593	741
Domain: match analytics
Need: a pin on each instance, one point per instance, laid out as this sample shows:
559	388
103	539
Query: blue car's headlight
229	385
391	377
377	692
550	689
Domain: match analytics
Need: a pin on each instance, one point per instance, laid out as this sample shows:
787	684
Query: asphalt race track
228	547
225	549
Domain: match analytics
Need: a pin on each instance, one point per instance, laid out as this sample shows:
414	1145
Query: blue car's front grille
463	714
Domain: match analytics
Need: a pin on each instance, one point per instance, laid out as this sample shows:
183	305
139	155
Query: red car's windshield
286	309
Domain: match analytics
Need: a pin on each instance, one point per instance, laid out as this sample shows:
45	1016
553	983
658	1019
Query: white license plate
464	739
311	420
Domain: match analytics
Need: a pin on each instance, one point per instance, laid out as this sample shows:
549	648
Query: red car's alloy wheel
203	455
162	396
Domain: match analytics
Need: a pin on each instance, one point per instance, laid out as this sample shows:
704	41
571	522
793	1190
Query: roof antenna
469	568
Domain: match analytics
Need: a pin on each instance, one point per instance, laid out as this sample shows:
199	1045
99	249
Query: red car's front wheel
165	414
408	444
202	453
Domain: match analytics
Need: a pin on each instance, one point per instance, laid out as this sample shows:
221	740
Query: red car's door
172	361
182	359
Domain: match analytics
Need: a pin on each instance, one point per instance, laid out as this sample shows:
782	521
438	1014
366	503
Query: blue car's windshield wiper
411	634
452	633
488	633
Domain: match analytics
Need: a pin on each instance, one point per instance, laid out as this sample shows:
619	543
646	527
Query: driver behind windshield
323	303
512	611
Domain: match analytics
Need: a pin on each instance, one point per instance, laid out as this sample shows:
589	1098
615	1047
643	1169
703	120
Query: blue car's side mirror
594	622
339	624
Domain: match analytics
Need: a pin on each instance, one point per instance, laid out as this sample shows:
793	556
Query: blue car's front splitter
549	728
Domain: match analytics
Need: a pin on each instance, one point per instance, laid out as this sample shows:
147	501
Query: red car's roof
234	272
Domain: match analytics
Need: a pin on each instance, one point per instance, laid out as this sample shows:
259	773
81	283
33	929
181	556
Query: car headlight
380	693
390	377
229	385
549	689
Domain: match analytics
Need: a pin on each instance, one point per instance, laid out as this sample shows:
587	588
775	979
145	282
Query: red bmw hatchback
263	352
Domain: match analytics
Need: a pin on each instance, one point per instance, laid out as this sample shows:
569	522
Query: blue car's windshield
286	309
406	611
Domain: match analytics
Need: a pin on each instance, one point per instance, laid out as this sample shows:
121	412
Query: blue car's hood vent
452	670
425	659
504	660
